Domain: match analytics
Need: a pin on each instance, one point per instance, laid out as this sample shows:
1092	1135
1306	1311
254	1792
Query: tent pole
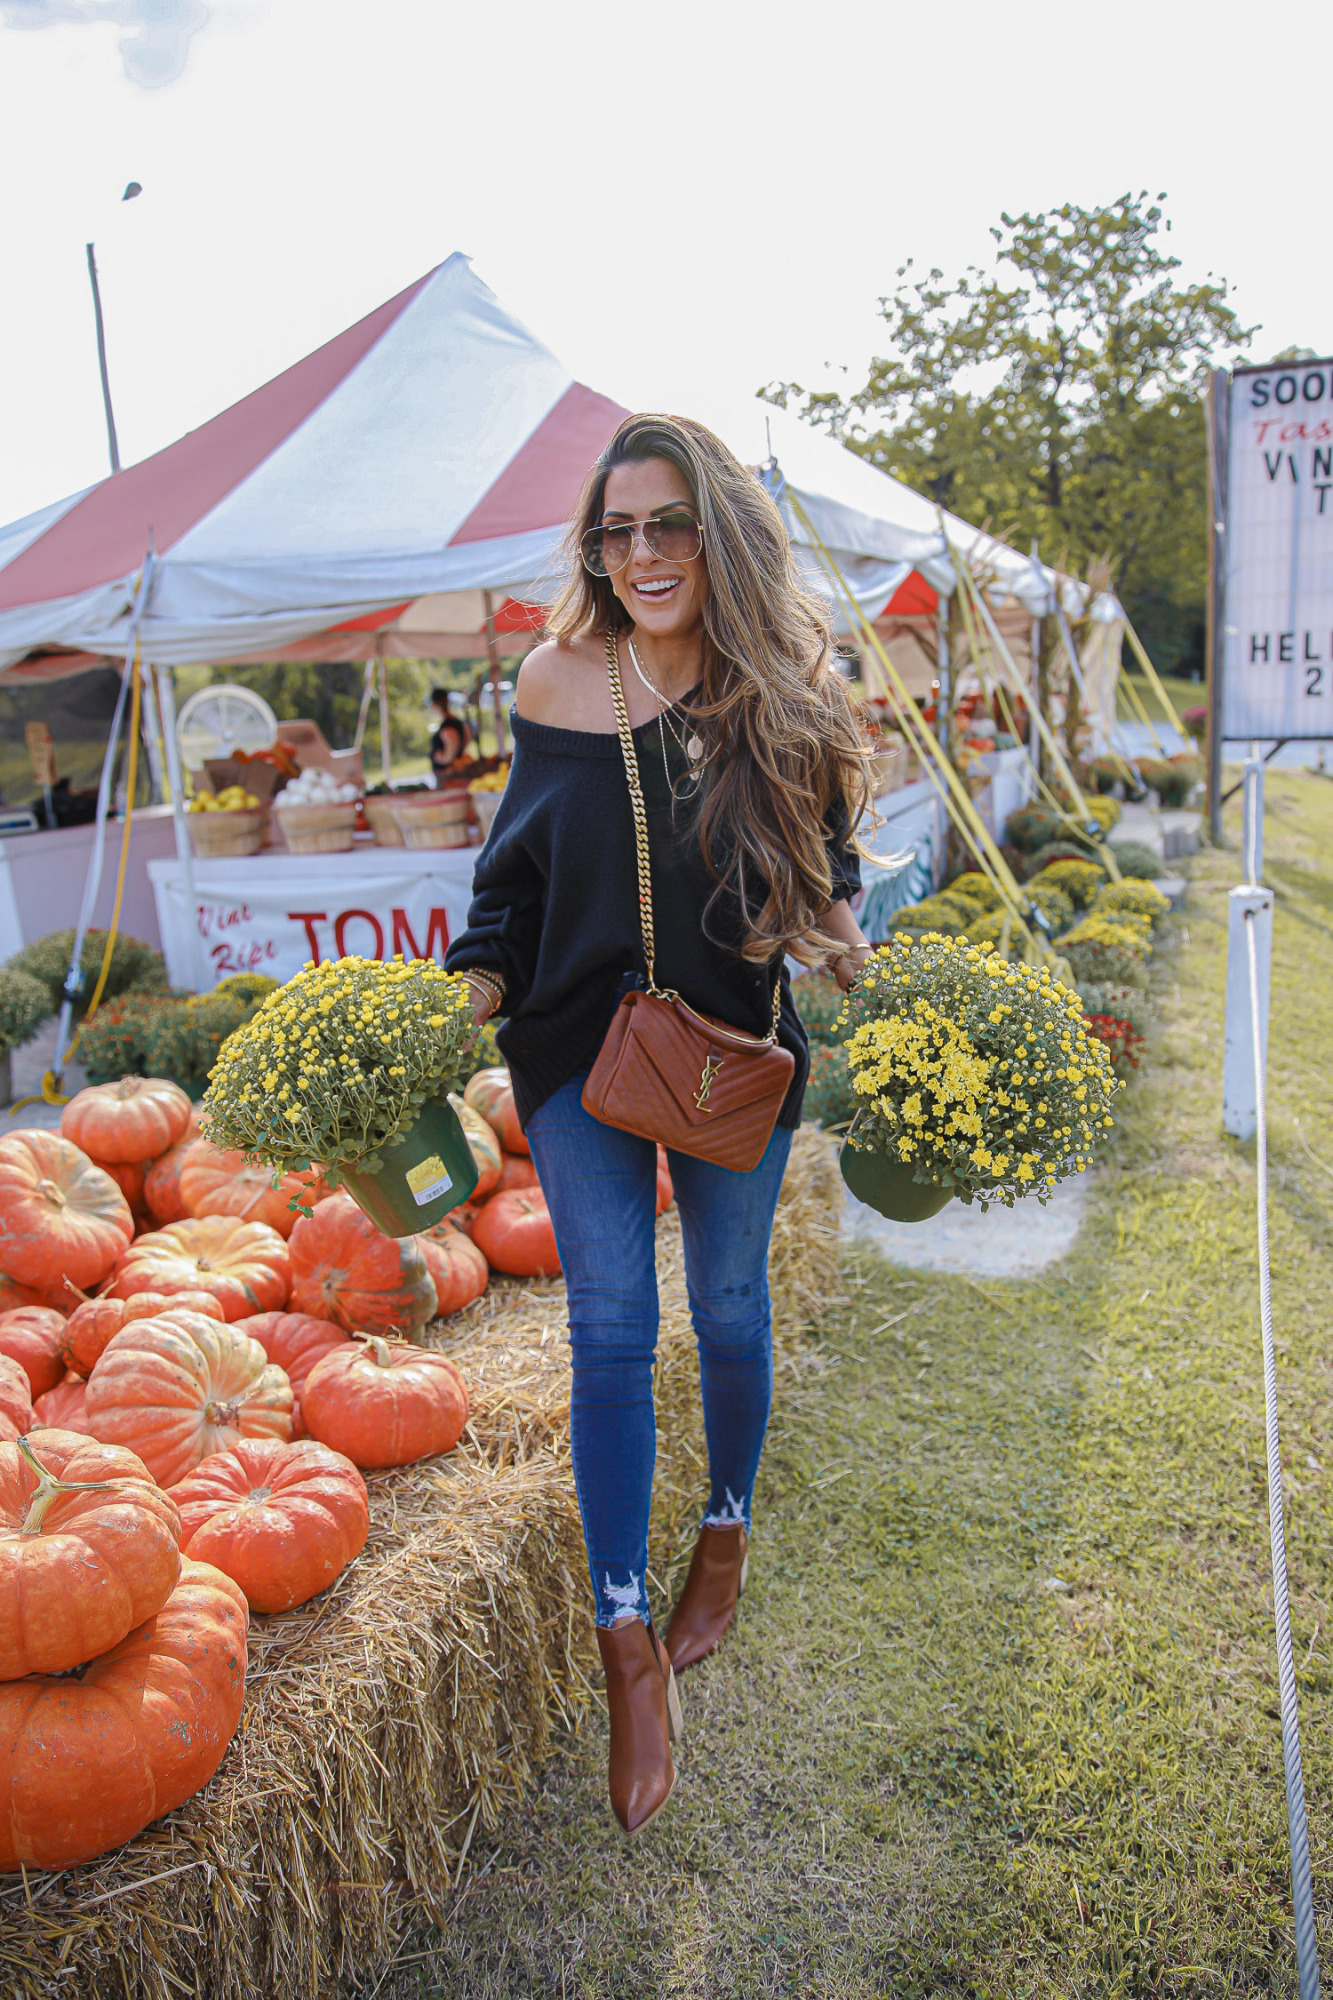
1034	680
367	690
166	694
384	716
493	655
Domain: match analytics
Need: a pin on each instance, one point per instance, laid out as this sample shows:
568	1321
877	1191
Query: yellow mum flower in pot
348	1068
974	1077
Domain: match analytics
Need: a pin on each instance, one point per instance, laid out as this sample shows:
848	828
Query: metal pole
1217	411
112	445
1034	677
493	655
166	694
1252	838
385	768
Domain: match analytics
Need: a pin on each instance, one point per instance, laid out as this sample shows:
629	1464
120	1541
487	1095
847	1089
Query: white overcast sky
684	198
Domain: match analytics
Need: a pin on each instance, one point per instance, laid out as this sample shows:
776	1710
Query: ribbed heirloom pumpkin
293	1342
64	1407
517	1170
484	1144
343	1269
175	1389
60	1216
491	1093
87	1761
385	1402
243	1264
514	1233
458	1269
91	1325
214	1181
16	1407
89	1548
31	1335
282	1520
162	1183
131	1121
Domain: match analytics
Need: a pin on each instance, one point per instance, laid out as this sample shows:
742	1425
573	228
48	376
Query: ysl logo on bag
712	1064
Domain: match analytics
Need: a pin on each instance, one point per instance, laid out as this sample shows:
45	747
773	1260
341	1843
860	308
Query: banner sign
272	915
1277	672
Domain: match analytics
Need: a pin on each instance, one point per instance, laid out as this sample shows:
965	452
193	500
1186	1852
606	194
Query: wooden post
493	655
1217	412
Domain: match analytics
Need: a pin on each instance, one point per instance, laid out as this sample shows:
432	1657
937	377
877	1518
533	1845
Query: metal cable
1307	1962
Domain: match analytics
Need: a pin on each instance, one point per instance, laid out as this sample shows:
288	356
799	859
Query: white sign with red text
272	913
1277	677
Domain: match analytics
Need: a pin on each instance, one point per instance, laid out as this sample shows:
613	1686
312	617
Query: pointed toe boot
707	1604
645	1720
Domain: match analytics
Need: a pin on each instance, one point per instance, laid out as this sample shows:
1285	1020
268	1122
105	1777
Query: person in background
450	738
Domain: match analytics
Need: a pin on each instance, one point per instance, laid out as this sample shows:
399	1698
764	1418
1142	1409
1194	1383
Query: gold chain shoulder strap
640	811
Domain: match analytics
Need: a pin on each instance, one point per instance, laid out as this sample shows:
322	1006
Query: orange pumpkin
176	1388
243	1264
294	1342
344	1270
31	1336
16	1411
62	1408
134	1120
385	1402
89	1548
515	1235
60	1216
458	1269
13	1295
162	1183
129	1177
88	1760
666	1194
491	1093
484	1145
91	1324
282	1520
217	1182
516	1171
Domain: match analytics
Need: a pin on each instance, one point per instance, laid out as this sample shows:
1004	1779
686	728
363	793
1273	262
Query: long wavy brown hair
784	756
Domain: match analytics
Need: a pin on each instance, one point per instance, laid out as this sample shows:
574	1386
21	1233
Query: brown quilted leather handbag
666	1072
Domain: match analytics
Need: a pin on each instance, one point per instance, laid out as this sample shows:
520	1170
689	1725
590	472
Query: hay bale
391	1720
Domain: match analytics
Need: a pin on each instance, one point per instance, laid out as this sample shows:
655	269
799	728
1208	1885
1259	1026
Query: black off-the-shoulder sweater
555	907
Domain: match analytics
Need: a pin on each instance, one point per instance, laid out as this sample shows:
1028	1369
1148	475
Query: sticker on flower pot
428	1180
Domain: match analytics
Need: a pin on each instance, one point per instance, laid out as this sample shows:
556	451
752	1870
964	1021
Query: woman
449	739
752	768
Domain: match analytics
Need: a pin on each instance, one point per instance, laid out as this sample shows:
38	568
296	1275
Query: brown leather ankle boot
707	1604
645	1720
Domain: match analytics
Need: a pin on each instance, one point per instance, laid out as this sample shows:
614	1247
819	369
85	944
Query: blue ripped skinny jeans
600	1184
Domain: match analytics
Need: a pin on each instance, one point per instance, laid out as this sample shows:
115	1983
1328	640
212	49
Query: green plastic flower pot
887	1186
424	1174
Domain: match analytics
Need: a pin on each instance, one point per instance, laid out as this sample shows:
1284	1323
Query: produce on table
232	798
162	1183
60	1216
90	1326
91	1759
458	1269
485	1147
243	1264
517	1170
514	1232
63	1408
16	1406
385	1402
293	1342
177	1388
282	1520
216	1181
89	1548
31	1335
134	1120
491	1093
343	1269
313	787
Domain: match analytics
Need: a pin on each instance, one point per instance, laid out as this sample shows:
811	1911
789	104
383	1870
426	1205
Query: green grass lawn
1000	1714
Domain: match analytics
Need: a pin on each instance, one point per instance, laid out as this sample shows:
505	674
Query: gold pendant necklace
693	748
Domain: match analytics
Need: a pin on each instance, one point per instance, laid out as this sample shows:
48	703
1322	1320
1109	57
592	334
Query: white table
271	912
42	876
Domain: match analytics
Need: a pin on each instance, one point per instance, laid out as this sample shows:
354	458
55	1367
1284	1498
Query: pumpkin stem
379	1348
49	1487
53	1194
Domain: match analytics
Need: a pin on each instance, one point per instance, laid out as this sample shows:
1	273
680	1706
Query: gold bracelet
492	985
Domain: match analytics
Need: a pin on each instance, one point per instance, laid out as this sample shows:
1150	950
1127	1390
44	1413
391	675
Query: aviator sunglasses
676	537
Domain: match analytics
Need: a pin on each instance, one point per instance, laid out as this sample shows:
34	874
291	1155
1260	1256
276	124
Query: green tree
1059	396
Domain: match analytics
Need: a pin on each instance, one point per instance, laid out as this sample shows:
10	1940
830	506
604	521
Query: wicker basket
434	820
317	829
228	830
383	822
485	805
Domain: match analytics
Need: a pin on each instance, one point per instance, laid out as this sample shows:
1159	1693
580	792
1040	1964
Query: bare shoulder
565	686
